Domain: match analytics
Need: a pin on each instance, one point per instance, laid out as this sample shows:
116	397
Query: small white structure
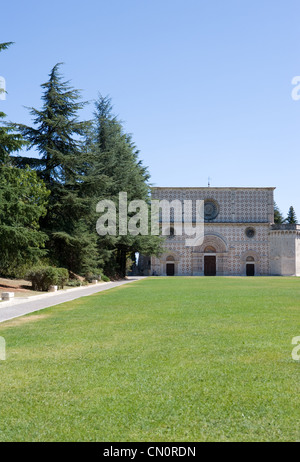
6	296
95	281
53	289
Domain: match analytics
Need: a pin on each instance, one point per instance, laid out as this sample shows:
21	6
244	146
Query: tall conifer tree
291	218
58	137
278	218
116	158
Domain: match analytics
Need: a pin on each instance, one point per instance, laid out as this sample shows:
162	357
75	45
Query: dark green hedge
43	277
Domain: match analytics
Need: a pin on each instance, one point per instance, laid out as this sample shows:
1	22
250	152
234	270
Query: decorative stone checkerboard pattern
239	208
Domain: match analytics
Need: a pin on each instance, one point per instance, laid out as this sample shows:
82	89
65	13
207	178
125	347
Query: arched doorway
250	266
170	266
210	261
210	258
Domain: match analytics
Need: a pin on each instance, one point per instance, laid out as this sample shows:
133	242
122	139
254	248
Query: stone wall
237	205
238	210
232	249
285	250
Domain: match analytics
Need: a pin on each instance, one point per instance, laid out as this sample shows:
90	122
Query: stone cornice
285	227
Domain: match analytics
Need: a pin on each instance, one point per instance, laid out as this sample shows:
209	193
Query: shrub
96	274
90	276
42	277
62	277
74	283
45	276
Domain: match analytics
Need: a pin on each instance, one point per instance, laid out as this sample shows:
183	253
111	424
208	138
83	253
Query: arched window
250	259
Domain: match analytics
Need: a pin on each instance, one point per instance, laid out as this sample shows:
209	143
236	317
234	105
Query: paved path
16	308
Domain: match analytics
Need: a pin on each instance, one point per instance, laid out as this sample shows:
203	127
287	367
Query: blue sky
203	86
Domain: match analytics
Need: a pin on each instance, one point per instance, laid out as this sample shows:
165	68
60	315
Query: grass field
163	359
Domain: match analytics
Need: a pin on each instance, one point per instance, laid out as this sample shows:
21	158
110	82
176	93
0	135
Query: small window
250	259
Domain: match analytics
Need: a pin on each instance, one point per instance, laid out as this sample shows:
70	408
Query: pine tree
10	142
58	137
4	46
116	159
278	218
291	218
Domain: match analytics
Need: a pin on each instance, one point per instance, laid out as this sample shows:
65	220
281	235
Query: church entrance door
170	269
210	266
250	269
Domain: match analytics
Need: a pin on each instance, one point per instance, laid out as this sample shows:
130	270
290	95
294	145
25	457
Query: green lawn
163	359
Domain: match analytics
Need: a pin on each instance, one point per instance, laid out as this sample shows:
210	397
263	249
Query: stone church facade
240	237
